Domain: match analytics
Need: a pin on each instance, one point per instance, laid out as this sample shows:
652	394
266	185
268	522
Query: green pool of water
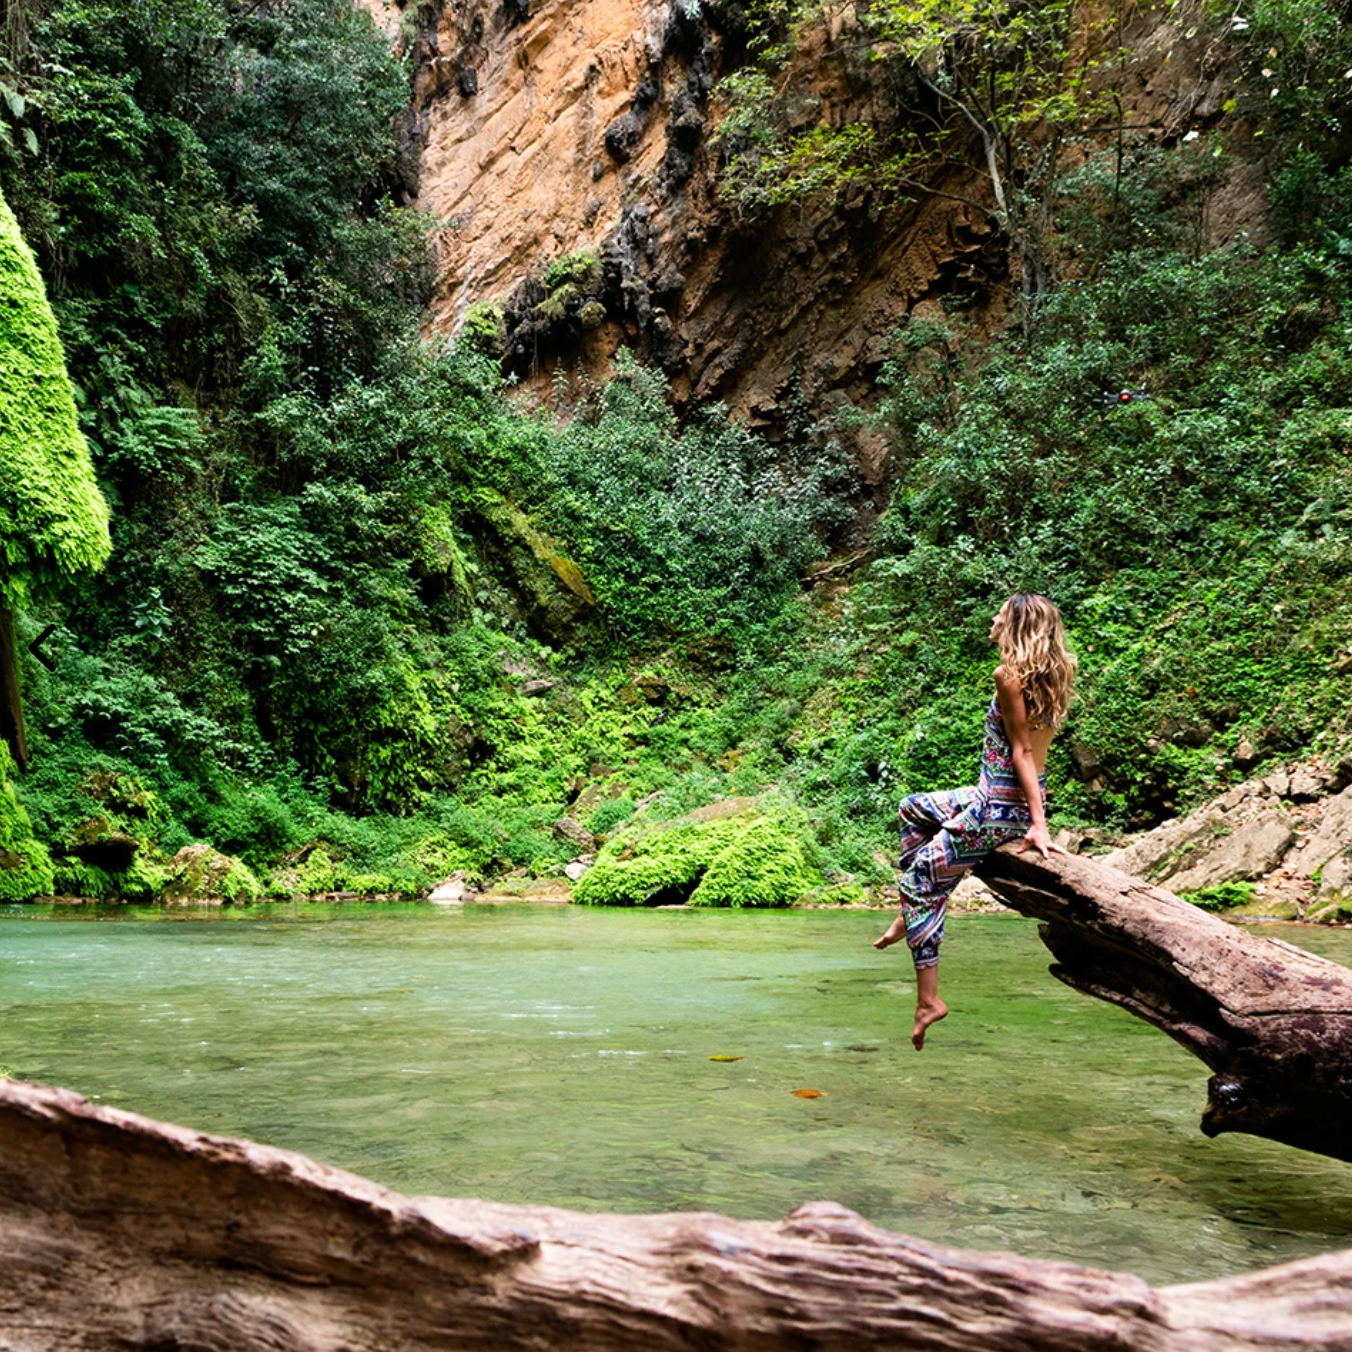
561	1055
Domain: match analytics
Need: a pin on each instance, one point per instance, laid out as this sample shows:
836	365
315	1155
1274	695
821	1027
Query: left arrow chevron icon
37	642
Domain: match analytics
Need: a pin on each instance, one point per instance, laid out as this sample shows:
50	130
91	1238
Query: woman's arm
1015	713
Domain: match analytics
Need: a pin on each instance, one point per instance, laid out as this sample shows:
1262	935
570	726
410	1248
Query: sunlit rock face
513	102
541	129
563	126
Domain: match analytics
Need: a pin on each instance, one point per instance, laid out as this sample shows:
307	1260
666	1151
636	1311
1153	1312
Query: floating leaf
725	1058
809	1093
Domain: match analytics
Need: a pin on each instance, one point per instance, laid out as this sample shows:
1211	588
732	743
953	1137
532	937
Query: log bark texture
118	1232
1272	1022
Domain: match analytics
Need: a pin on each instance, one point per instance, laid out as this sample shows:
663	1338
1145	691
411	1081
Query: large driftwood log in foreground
118	1232
1273	1022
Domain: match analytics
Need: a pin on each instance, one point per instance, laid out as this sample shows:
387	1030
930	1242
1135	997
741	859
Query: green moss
1221	896
483	328
319	873
53	519
581	271
738	861
25	865
438	552
142	880
592	314
199	873
761	865
551	581
554	307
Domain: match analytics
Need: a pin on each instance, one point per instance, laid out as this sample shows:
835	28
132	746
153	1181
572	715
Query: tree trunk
118	1232
11	702
1273	1022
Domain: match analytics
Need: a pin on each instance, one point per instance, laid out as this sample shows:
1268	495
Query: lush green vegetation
369	620
1221	896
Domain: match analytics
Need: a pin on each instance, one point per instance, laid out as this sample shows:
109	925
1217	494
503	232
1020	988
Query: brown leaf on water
809	1093
725	1058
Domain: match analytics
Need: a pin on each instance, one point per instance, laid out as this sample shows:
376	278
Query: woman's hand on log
1041	841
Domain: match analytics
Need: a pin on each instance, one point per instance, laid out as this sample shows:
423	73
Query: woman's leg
922	816
928	1007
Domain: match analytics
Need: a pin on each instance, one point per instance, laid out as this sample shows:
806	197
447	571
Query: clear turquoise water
561	1055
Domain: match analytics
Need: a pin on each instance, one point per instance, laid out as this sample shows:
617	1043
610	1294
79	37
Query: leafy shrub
25	864
761	865
702	529
737	861
142	881
609	814
1221	896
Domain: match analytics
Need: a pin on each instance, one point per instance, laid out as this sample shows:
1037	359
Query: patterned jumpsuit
944	834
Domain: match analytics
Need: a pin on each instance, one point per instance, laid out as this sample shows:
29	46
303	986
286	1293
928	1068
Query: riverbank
1277	846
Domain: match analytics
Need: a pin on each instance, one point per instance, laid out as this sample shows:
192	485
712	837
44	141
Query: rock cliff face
566	127
546	129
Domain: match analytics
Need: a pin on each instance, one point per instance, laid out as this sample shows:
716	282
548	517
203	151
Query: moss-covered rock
199	874
53	519
142	880
319	873
760	865
553	593
25	865
111	854
438	558
744	860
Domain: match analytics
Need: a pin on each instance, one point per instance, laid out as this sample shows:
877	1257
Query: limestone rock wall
552	127
545	128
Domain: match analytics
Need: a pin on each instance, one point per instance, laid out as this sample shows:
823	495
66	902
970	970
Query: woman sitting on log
944	834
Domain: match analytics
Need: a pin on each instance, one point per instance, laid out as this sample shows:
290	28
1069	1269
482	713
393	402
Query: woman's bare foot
926	1014
896	931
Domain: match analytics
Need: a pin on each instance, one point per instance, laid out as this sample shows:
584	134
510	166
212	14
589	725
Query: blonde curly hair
1033	651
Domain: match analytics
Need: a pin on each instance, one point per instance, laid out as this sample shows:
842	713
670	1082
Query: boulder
575	870
1171	846
572	830
450	891
1304	787
101	842
1332	836
1335	878
199	875
1251	849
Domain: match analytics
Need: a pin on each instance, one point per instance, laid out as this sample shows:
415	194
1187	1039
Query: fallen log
119	1232
1272	1022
